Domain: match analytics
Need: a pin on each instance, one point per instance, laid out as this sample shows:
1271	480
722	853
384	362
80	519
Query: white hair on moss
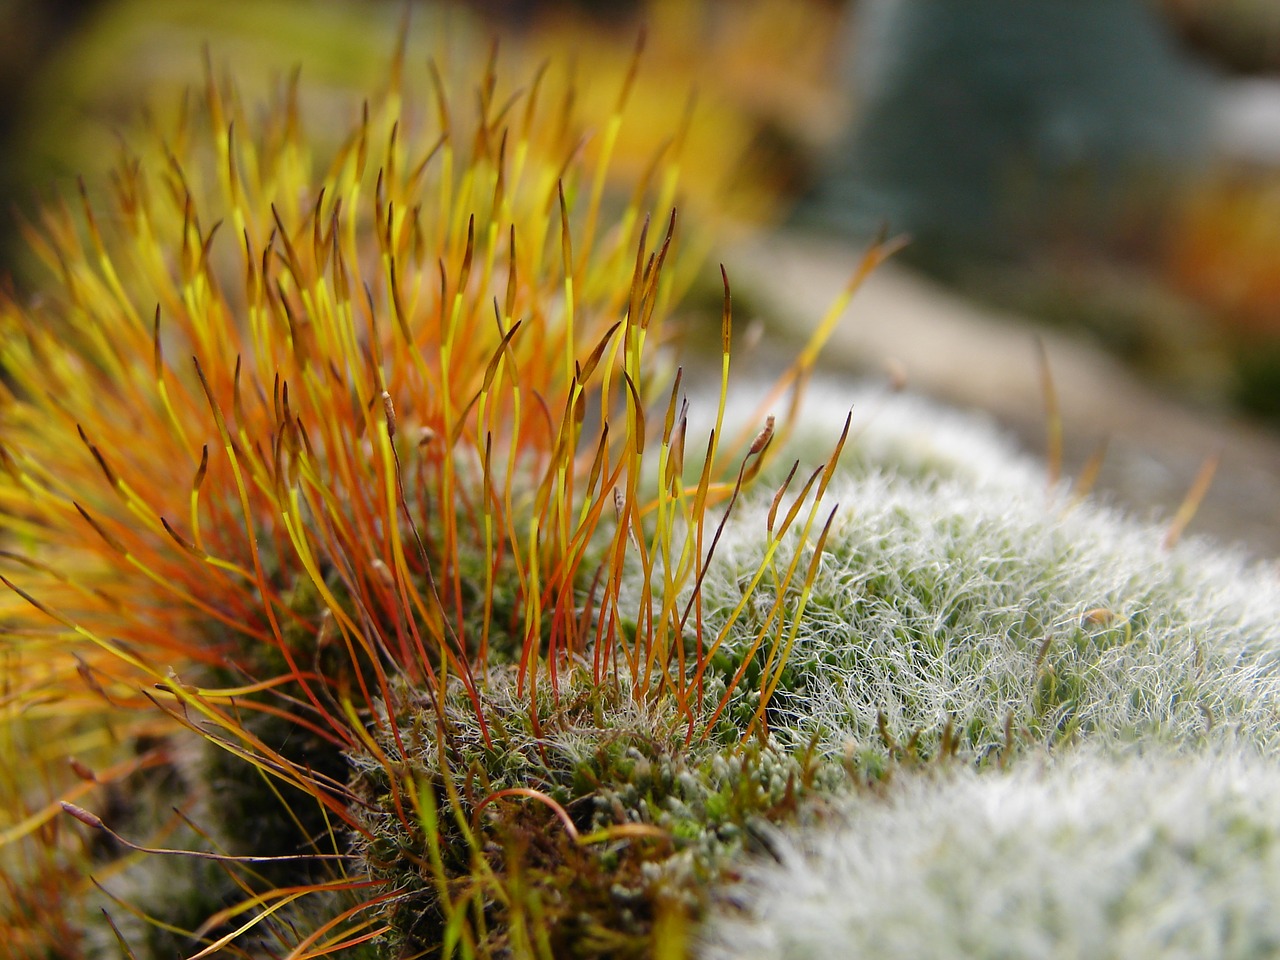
1088	856
956	589
962	603
944	600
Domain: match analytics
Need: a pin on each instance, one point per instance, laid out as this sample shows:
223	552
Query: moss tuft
600	820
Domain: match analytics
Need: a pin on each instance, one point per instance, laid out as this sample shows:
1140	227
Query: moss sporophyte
324	482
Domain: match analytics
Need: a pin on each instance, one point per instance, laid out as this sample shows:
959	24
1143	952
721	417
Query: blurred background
1100	175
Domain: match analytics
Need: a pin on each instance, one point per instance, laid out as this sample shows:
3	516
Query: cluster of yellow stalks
314	441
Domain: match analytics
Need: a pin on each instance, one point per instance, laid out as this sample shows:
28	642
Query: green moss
656	820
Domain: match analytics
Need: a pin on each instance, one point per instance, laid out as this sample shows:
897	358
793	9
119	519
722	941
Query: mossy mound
1150	855
959	591
1098	711
594	830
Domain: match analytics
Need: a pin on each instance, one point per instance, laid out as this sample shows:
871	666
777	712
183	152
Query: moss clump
591	828
1143	856
959	590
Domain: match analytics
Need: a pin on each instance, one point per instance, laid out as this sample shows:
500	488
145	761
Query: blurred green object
29	31
81	99
133	49
988	126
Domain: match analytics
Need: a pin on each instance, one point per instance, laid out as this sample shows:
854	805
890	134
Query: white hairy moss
962	605
1140	857
958	589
